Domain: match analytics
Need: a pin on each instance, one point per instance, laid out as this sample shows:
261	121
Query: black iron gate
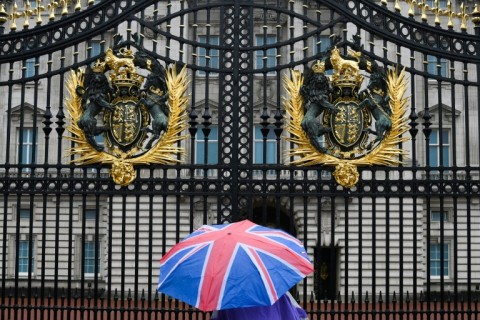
403	242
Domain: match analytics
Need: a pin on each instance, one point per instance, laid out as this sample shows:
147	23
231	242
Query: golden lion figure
343	66
115	63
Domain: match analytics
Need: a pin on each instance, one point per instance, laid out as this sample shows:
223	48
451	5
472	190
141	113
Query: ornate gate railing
402	241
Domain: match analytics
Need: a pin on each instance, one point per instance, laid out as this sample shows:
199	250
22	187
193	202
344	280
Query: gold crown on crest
127	80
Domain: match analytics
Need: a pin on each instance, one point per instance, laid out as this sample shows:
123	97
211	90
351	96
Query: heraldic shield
122	118
336	120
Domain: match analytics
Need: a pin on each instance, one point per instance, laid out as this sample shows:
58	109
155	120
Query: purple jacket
286	308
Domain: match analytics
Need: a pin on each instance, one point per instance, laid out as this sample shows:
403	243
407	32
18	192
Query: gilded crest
336	120
138	118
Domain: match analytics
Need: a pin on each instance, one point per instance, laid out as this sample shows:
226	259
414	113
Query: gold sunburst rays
387	152
165	151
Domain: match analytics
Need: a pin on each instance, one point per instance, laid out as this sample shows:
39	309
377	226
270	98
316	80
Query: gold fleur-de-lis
27	13
38	11
51	7
64	5
436	10
450	13
78	6
14	16
423	6
411	7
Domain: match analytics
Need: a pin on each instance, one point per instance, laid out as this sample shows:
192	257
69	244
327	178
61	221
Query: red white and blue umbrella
232	266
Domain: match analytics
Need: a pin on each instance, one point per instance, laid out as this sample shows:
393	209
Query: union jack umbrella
233	266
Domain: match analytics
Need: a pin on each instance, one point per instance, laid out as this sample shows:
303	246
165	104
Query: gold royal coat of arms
139	119
334	122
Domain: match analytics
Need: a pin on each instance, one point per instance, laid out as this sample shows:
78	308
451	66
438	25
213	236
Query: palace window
30	67
266	58
441	3
436	261
24	213
269	146
321	44
27	146
206	150
26	262
208	57
437	216
91	258
436	66
439	149
90	214
95	49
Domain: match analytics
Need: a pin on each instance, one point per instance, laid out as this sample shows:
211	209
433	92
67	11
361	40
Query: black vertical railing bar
5	237
178	237
83	224
193	115
60	114
35	132
278	116
150	247
400	249
136	291
360	251
332	250
441	164
123	216
318	258
426	131
109	253
346	199
235	103
164	238
387	246
206	130
98	245
374	248
31	254
387	210
70	251
264	116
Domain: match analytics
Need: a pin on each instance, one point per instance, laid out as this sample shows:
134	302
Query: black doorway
326	272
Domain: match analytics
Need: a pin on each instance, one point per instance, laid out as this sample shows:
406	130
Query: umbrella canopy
234	265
